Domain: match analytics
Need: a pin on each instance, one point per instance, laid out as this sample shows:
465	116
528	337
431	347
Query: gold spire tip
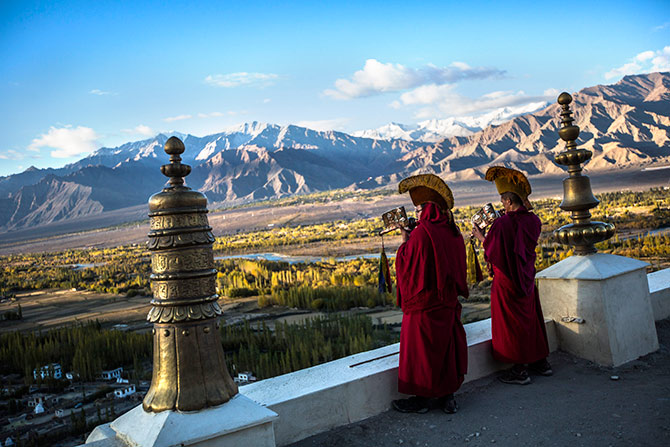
174	147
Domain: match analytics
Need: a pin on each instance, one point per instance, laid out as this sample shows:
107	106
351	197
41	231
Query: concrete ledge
659	293
594	267
100	435
237	422
326	396
354	388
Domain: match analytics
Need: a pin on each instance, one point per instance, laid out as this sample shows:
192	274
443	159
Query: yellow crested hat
509	180
427	188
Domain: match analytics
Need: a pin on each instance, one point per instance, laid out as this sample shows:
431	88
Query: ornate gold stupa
189	370
577	195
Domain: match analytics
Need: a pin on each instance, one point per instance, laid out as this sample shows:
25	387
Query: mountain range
626	125
432	131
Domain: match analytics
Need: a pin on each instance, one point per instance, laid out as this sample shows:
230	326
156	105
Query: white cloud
427	94
645	55
645	62
11	154
98	92
625	69
500	94
661	27
266	100
376	78
210	115
661	60
177	118
67	141
443	101
145	130
460	65
551	93
241	79
141	130
324	125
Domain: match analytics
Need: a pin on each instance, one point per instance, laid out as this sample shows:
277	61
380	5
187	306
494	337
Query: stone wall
354	388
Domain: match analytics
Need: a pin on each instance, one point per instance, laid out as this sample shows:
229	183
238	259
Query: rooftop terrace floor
580	405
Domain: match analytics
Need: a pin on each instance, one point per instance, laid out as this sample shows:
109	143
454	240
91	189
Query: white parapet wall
353	388
659	293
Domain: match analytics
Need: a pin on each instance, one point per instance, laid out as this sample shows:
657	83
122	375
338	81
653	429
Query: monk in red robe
431	273
517	324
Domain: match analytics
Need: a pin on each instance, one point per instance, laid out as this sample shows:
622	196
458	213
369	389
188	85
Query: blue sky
76	76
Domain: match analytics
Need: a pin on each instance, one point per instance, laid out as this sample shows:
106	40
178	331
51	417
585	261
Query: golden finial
175	170
189	370
578	197
569	133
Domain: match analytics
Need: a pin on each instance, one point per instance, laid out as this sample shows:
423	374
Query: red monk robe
517	323
431	272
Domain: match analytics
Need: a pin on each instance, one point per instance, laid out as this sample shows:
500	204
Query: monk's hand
477	233
405	233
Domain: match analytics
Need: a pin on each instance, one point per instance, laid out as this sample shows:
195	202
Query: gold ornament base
189	368
583	237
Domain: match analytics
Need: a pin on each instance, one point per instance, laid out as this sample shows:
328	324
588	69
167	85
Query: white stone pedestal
238	422
607	299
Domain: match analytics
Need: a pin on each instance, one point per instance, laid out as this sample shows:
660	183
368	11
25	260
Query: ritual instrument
395	219
482	219
485	217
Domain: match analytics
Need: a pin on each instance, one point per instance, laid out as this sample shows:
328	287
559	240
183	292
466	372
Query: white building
52	370
112	374
244	377
124	392
36	400
39	408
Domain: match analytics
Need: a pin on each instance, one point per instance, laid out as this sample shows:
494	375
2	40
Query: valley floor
50	309
94	231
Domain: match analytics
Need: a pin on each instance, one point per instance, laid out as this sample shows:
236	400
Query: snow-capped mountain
625	125
435	130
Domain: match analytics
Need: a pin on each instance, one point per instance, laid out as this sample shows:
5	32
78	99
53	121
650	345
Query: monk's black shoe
449	404
541	367
414	404
515	376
